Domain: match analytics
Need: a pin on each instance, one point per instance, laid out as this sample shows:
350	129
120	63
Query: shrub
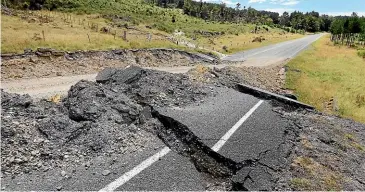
361	53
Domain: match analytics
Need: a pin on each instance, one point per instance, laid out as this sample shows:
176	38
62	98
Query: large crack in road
104	117
122	115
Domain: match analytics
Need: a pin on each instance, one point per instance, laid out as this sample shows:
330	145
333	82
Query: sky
330	7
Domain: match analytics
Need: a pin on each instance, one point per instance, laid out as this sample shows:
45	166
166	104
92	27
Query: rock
35	152
106	172
28	51
87	164
33	59
15	100
104	75
59	128
63	173
45	169
105	30
7	132
58	53
46	54
59	73
44	50
59	188
127	75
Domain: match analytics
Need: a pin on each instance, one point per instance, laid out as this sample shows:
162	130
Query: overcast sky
330	7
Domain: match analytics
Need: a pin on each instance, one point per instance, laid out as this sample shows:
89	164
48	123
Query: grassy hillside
74	24
331	78
77	32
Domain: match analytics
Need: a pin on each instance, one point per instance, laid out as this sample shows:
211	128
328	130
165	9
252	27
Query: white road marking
148	162
263	51
139	168
303	47
225	137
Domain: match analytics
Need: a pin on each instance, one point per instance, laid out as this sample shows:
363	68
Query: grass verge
331	78
241	42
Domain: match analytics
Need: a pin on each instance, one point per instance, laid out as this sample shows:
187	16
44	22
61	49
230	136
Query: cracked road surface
255	132
259	134
264	56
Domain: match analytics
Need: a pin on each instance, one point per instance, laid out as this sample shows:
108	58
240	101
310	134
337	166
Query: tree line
310	21
348	30
343	28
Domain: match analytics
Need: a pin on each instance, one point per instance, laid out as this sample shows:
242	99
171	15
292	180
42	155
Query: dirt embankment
46	62
271	78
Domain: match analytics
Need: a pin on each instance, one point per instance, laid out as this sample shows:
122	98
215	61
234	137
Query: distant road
264	56
272	54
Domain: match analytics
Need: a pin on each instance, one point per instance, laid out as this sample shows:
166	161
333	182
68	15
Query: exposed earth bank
47	62
113	116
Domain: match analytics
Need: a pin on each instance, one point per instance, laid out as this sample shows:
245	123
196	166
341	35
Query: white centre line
148	162
225	137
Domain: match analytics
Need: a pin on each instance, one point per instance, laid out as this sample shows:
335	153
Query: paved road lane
272	54
262	131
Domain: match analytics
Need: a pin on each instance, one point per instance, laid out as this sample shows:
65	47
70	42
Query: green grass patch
327	71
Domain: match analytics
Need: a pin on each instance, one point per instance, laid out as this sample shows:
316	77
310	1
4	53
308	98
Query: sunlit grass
18	34
327	71
241	42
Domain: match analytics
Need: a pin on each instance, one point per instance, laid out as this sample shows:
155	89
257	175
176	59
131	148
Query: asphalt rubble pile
116	115
96	118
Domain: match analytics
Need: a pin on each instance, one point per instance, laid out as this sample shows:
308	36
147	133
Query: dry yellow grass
327	71
236	43
55	98
314	176
70	34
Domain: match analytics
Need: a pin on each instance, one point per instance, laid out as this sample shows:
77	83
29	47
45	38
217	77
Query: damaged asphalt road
104	136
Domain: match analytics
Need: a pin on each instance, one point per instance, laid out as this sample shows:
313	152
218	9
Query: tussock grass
314	176
327	71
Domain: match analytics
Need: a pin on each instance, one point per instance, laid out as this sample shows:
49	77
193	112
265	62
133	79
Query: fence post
125	35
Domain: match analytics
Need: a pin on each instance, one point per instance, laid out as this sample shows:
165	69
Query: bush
361	53
225	48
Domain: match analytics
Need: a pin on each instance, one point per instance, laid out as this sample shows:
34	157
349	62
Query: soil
271	78
46	62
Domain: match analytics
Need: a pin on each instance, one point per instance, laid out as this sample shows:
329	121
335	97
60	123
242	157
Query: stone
34	59
58	53
106	172
44	49
127	75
